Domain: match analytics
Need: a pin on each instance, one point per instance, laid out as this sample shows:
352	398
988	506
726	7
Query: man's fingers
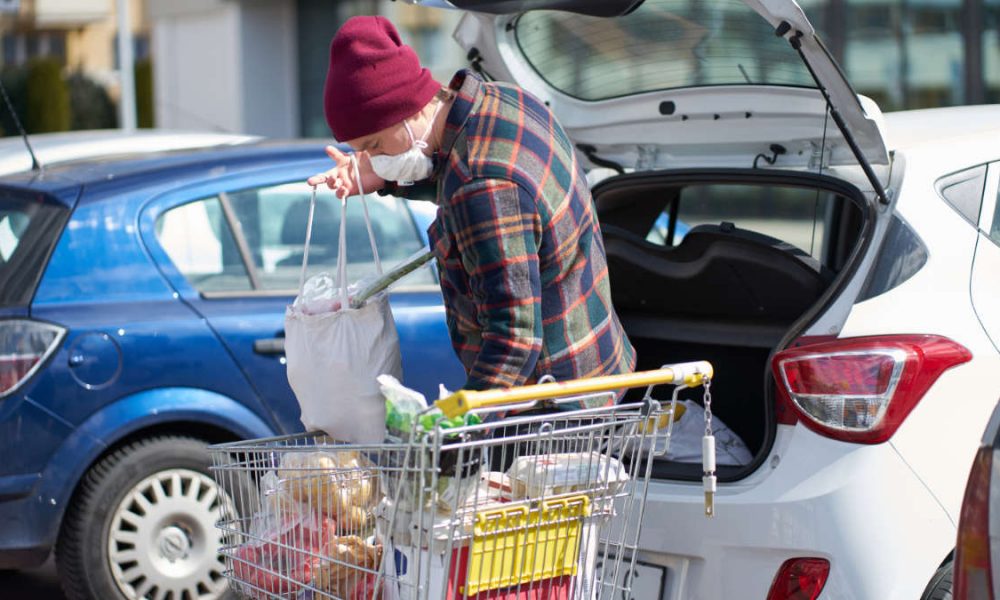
337	156
318	179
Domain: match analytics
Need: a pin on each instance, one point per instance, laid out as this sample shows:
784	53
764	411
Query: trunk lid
672	83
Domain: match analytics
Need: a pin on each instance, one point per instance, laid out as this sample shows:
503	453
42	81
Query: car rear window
664	44
29	229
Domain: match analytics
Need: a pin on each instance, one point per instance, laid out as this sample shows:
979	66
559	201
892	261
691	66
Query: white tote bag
334	356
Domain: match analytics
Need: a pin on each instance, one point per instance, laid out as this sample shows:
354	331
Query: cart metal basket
535	492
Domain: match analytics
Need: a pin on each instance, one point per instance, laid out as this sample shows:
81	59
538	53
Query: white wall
225	66
270	74
196	66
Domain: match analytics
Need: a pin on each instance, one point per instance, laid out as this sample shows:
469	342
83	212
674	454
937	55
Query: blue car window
29	228
273	219
197	238
265	254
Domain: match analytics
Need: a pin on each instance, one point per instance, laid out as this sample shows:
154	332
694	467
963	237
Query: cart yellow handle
689	374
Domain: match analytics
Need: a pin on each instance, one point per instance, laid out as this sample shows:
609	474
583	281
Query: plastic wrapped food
339	484
402	405
551	474
277	559
347	562
467	494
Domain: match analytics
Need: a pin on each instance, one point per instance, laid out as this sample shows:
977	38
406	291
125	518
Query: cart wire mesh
543	500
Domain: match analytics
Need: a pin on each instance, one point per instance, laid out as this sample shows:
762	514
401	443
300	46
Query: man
522	264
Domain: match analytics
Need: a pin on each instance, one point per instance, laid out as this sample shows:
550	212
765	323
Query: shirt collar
468	91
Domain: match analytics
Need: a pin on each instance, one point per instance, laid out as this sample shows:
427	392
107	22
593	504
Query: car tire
940	587
142	522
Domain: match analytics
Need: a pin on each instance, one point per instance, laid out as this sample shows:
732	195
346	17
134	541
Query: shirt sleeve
497	231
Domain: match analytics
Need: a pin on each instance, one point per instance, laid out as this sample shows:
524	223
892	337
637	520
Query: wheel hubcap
163	543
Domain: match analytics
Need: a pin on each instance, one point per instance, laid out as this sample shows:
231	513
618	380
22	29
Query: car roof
906	129
54	148
127	170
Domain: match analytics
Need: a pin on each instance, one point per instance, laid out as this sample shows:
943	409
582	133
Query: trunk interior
719	266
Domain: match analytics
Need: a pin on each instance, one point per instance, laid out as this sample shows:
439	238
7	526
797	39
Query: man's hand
340	178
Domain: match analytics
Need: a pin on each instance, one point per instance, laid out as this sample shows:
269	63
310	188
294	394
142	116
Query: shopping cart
534	492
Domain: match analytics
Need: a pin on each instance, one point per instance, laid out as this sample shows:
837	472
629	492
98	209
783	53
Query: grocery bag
334	351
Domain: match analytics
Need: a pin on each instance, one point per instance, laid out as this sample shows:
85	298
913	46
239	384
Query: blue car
142	307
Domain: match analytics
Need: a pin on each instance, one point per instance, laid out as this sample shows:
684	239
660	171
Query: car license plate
646	580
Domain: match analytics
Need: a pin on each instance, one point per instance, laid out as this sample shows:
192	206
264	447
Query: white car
840	268
52	148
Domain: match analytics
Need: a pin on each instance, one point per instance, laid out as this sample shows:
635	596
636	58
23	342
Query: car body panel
35	518
804	501
138	356
152	338
941	290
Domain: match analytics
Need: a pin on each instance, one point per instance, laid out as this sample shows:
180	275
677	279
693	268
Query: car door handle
269	346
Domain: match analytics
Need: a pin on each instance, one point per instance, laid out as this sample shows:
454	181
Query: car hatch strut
795	40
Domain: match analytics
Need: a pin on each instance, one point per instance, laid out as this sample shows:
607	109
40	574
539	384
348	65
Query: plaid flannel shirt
520	255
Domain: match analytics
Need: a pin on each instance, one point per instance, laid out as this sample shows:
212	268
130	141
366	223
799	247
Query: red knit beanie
374	80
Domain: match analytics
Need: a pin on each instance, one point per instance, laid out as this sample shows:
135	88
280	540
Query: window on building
991	50
21	47
906	55
871	21
32	45
11	54
140	48
57	47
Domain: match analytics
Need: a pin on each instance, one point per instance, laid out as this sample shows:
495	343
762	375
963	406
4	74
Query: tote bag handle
342	242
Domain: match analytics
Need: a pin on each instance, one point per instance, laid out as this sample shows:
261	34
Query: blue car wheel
143	525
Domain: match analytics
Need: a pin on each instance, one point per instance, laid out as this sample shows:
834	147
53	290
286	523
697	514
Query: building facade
257	66
915	53
81	34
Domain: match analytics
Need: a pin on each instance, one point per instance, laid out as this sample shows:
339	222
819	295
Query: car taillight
860	389
24	346
800	579
973	576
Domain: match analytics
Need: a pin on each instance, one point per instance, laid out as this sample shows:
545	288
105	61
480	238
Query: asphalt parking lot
41	583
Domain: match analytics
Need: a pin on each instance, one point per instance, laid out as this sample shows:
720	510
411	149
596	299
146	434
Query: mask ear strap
423	138
413	139
422	142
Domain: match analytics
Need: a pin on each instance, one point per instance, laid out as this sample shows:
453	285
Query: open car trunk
727	235
723	265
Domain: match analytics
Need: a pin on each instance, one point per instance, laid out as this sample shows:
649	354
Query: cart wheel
940	587
142	525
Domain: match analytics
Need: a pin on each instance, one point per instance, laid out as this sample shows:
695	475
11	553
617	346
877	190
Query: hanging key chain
708	479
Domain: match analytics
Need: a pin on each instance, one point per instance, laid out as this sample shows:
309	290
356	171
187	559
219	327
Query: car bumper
24	522
860	507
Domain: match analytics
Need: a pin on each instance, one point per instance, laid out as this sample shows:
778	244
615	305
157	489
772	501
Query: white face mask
412	165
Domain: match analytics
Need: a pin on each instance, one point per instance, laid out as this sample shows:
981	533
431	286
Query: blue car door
234	252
